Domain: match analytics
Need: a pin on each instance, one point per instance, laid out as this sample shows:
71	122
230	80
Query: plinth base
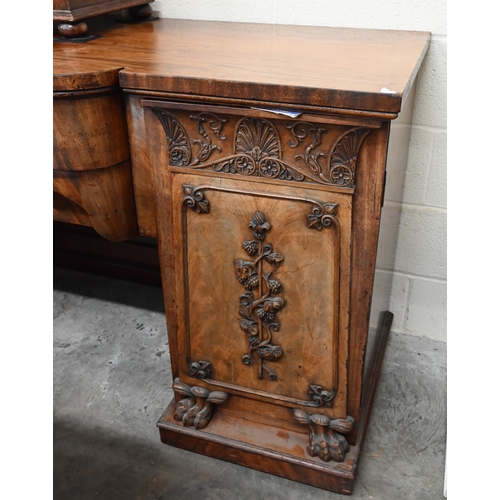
271	449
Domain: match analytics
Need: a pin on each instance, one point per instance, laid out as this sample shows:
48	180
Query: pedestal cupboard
265	150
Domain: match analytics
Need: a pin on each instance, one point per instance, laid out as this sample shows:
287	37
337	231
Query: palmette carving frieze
322	157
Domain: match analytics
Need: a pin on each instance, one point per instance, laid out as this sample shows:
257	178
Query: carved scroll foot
325	435
196	410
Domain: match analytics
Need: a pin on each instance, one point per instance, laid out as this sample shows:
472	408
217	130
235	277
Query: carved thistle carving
325	435
196	409
257	149
260	303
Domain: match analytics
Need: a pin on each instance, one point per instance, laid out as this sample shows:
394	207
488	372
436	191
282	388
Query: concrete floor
112	382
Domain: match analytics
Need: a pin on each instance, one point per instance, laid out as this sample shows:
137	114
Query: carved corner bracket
322	215
195	199
258	313
200	369
197	408
320	396
325	435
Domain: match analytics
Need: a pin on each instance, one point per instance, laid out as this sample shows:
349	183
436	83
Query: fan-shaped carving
179	149
344	156
257	138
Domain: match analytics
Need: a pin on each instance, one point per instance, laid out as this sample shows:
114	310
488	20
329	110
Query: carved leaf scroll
322	215
195	199
200	369
320	396
206	147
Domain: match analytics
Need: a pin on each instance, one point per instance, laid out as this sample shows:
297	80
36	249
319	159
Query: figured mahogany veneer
269	223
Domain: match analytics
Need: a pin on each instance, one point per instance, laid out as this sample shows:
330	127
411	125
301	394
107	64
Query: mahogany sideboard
258	157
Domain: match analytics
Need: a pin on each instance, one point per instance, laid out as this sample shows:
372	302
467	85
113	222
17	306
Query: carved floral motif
258	313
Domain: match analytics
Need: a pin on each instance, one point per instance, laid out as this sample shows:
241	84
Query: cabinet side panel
397	159
366	218
141	166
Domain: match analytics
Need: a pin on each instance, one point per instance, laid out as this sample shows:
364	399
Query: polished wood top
321	66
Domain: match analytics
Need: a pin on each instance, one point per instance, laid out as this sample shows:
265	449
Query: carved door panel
260	288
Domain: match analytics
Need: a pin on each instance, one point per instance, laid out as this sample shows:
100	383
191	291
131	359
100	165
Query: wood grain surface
335	67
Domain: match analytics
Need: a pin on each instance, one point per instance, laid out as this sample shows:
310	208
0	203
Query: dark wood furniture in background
258	159
71	14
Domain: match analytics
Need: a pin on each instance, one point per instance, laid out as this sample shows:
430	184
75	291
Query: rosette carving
260	304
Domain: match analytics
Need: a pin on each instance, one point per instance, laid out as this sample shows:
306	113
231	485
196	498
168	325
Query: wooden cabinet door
259	288
254	221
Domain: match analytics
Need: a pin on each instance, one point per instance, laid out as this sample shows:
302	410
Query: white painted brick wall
418	296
